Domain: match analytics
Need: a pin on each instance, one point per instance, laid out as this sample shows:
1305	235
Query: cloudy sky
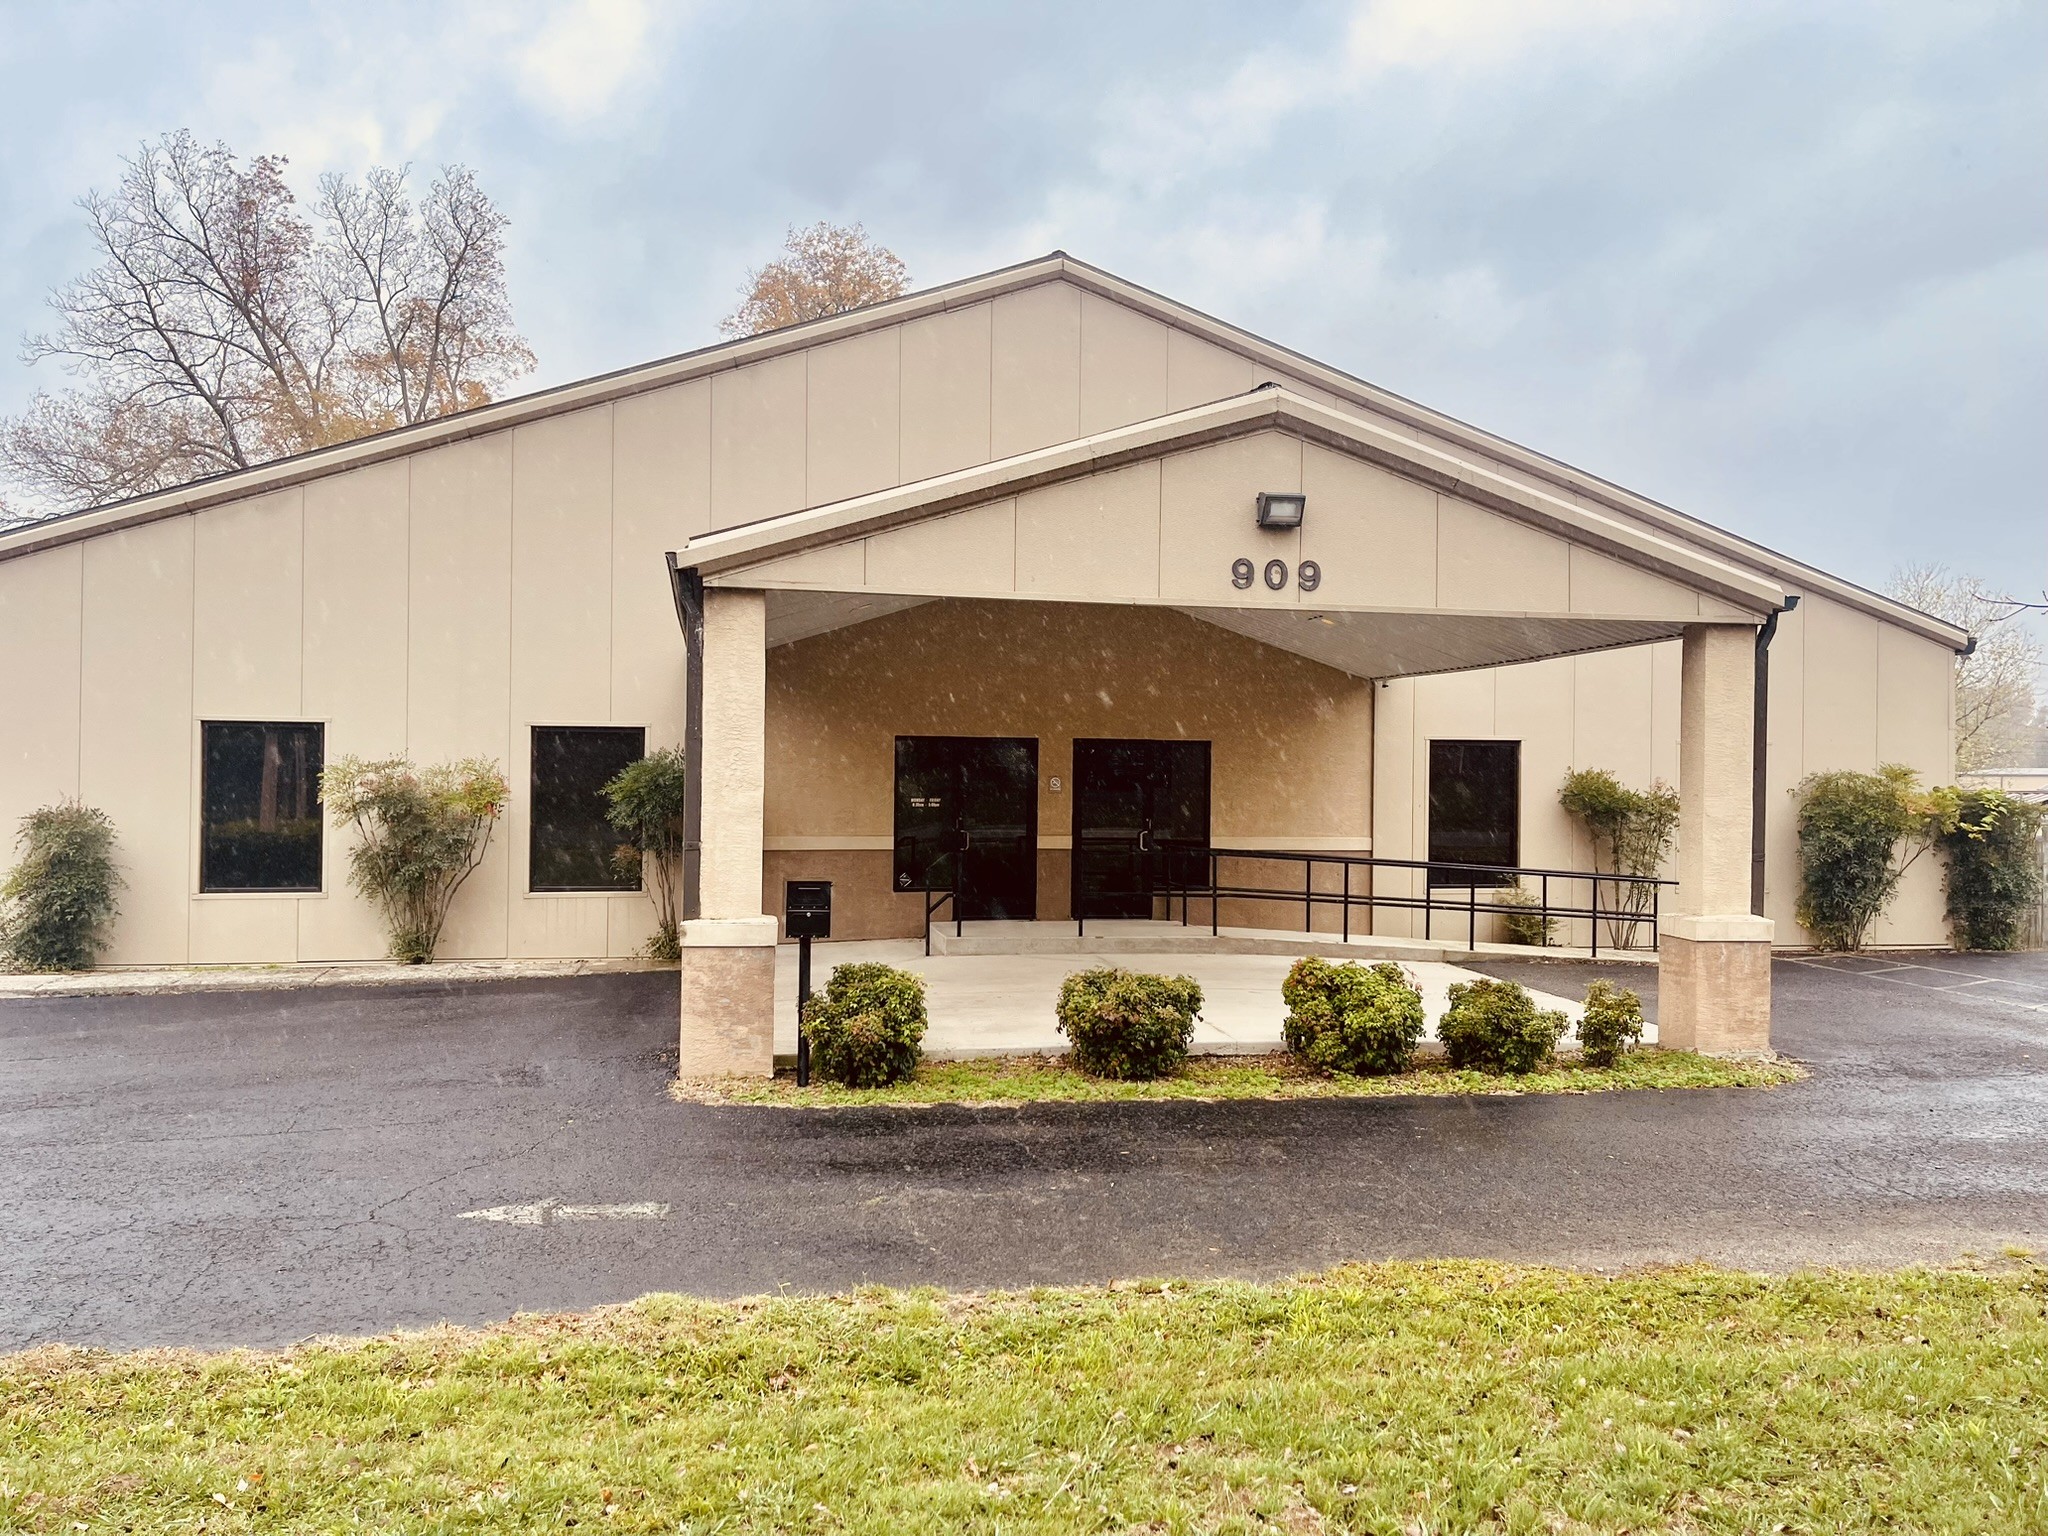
1782	263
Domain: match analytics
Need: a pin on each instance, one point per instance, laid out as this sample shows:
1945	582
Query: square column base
1714	985
728	998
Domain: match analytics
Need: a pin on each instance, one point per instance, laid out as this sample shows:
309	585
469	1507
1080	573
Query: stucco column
1714	955
728	960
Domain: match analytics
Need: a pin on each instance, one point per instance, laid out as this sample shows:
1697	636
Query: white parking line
543	1212
1960	986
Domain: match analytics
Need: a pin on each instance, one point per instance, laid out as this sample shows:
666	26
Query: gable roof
1056	266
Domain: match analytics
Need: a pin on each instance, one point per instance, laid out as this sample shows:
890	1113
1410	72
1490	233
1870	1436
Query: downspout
688	589
1760	754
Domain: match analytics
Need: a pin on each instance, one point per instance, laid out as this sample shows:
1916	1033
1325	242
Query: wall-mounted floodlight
1281	509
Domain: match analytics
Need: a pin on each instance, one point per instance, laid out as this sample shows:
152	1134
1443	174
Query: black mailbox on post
807	909
806	915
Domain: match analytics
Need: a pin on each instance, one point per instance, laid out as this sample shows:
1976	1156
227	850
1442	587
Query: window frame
200	889
533	823
1464	879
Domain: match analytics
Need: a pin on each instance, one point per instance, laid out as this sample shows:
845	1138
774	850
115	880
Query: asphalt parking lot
258	1167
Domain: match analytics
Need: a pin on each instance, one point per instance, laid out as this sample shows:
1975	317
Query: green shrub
1858	835
867	1027
1612	1026
1351	1018
421	833
1994	868
57	903
1496	1026
1128	1025
1631	831
646	803
1522	917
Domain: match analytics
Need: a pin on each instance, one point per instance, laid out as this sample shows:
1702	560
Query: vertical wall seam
1080	359
1158	527
611	573
1080	352
902	395
302	602
78	740
410	561
299	904
896	476
511	618
1436	544
1301	533
192	832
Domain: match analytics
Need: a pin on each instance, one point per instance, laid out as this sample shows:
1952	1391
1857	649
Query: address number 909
1307	576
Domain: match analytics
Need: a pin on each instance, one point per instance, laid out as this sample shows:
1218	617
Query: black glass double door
1141	824
967	821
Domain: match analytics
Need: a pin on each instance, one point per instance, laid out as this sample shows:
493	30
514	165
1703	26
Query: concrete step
1132	937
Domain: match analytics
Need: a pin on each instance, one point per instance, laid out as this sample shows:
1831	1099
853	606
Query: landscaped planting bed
1052	1079
1405	1397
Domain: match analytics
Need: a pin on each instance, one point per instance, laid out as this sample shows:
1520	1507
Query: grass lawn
1047	1079
1388	1398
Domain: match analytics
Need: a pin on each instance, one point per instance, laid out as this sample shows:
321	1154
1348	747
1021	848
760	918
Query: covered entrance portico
1174	632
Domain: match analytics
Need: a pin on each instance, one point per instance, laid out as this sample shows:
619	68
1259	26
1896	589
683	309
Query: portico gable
1162	513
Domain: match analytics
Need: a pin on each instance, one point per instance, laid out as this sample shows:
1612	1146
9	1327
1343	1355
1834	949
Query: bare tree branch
1999	714
221	328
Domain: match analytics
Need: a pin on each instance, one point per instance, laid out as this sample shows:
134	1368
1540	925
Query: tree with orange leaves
825	270
222	328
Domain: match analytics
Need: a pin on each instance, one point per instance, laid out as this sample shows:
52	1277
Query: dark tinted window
259	798
573	843
1475	798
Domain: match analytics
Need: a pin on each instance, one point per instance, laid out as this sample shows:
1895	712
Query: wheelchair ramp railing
1258	887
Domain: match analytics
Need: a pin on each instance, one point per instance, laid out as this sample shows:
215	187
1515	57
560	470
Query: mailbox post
806	915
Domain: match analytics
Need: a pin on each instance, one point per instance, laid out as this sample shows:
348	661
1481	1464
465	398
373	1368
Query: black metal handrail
1637	904
936	896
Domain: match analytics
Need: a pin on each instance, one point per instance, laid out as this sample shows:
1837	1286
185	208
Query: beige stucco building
997	540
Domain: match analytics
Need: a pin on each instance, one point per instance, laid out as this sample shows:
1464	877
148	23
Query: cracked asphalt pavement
254	1168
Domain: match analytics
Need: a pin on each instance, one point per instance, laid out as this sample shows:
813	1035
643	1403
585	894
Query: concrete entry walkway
1003	1004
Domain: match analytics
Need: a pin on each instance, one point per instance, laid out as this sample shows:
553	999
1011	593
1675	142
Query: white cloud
586	55
1466	34
1159	133
1721	251
375	86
